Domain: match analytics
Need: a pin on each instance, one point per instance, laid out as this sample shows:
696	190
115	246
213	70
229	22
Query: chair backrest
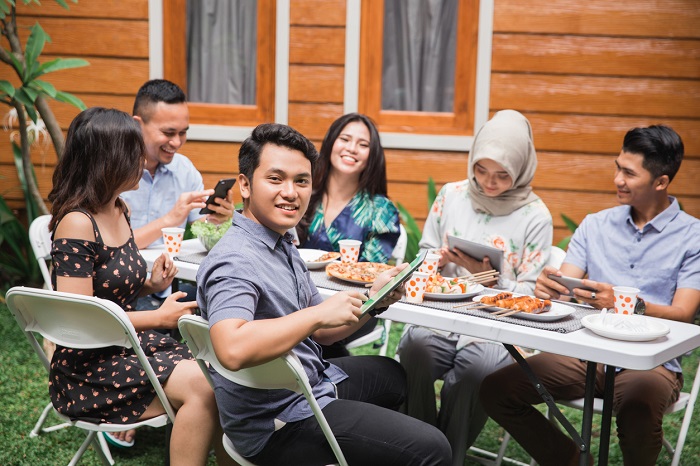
77	321
40	239
556	257
283	372
399	252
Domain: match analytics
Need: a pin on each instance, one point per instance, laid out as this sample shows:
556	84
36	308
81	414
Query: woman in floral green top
349	200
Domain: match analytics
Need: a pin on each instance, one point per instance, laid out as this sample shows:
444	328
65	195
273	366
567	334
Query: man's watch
641	307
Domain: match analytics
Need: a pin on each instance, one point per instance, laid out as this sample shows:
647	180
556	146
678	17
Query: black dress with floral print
107	384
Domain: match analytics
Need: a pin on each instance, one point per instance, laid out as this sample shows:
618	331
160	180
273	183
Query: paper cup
349	250
172	238
415	287
430	264
625	298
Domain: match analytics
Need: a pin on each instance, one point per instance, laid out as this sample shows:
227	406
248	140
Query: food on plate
439	284
329	256
364	272
527	304
208	233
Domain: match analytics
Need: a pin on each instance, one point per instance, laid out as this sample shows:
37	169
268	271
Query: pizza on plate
365	272
329	256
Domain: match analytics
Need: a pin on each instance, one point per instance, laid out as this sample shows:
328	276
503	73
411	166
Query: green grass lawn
23	389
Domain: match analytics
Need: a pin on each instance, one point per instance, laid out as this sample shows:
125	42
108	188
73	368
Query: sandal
114	441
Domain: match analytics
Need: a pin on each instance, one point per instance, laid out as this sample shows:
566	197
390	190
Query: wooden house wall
582	72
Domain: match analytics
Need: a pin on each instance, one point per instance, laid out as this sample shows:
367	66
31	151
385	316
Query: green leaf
413	232
5	9
32	208
59	64
64	4
570	224
70	99
6	86
34	47
27	97
16	63
45	87
564	243
432	192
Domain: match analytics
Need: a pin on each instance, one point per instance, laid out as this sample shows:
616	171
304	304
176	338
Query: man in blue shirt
171	190
258	296
647	243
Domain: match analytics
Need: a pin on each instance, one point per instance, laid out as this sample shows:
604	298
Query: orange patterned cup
172	239
625	298
430	264
415	287
349	250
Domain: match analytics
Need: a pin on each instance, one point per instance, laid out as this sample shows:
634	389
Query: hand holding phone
570	283
220	191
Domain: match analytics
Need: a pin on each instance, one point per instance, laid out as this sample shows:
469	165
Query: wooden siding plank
639	18
317	45
313	120
601	134
316	84
615	56
317	13
597	95
98	37
102	76
113	9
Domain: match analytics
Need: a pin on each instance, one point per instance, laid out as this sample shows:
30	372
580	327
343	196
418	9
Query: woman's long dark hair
104	152
372	178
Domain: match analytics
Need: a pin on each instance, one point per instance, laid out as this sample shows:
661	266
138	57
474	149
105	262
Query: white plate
473	291
625	327
309	257
557	312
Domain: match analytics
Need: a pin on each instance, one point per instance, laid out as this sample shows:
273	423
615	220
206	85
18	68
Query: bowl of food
209	233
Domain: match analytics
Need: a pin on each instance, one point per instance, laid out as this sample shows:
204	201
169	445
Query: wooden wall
582	72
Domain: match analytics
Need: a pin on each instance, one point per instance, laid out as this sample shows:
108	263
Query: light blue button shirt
658	259
158	194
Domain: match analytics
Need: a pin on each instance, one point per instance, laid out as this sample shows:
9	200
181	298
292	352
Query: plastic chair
79	321
40	239
285	372
380	335
556	257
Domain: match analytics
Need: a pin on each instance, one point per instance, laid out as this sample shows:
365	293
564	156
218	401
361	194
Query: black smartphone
220	191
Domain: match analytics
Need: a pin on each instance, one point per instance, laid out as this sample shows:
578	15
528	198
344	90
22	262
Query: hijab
507	140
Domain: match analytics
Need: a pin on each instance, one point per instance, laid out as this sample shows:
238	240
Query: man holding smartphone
171	191
648	243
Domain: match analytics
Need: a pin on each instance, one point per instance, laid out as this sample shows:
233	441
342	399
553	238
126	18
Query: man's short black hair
277	134
661	147
154	91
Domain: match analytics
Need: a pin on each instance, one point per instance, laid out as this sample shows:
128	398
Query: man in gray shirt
261	303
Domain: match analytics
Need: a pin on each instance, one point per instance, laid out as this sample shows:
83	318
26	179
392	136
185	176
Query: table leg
607	415
551	404
587	421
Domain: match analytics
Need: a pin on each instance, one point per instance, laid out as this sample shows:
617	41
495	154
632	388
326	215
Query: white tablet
477	251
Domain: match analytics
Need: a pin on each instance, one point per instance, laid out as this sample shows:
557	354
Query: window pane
418	69
221	51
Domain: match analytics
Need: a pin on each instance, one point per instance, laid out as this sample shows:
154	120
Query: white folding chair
285	372
40	239
380	335
82	322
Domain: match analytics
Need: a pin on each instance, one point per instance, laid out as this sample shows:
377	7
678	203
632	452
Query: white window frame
222	133
422	141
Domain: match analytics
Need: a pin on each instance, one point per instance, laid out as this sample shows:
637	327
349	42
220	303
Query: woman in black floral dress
94	254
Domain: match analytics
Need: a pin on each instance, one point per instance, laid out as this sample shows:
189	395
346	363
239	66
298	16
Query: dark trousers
640	399
364	420
338	349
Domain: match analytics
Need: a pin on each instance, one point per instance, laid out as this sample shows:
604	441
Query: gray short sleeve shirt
253	273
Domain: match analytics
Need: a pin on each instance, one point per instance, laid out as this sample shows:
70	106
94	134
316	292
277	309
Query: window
437	98
223	54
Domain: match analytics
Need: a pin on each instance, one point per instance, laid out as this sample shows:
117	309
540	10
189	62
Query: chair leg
502	449
168	434
102	449
86	443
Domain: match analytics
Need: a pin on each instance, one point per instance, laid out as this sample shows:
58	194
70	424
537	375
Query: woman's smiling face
351	150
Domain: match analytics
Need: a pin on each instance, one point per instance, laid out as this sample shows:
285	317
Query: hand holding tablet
393	284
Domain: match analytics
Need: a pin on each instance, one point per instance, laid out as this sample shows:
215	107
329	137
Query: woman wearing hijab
495	206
